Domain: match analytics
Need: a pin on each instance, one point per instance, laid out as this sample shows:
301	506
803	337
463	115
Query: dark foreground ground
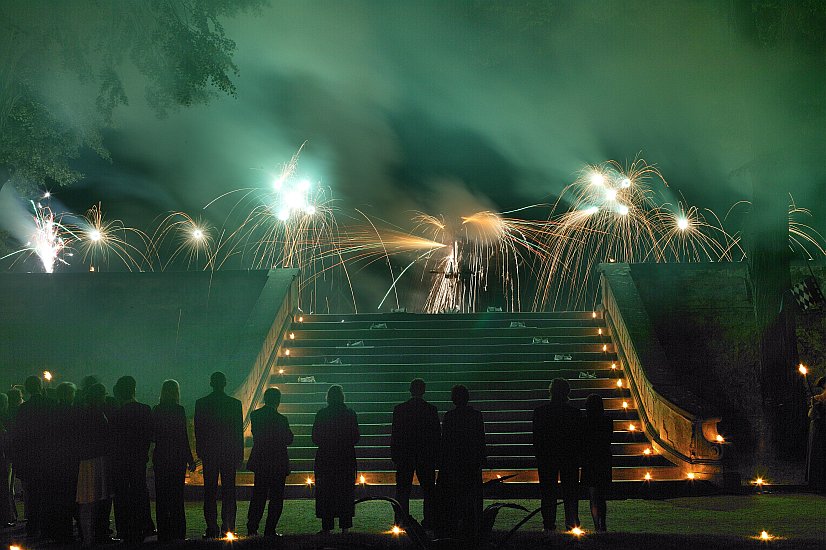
724	522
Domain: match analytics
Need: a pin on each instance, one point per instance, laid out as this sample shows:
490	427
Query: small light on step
613	366
646	452
632	428
619	383
301	319
594	314
599	331
280	371
647	476
604	347
720	438
292	336
625	404
690	475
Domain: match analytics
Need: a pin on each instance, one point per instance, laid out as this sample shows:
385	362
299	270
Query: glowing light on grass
230	537
47	376
577	532
396	530
802	369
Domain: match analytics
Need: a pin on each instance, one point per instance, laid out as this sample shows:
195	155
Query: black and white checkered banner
808	294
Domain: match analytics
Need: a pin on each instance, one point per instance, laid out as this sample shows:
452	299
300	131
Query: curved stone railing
681	426
250	391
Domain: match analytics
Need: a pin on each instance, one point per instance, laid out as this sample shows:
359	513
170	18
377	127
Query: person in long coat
170	459
62	474
557	433
816	456
598	430
93	485
336	432
30	449
131	427
462	455
7	517
269	461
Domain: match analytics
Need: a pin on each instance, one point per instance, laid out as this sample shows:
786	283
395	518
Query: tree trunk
782	387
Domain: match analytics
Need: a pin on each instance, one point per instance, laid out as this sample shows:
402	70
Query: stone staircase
507	360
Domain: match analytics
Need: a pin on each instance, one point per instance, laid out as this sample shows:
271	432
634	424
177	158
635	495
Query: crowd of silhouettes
81	454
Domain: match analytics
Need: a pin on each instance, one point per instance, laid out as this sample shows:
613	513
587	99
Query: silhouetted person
93	480
414	448
336	432
7	517
219	442
598	430
270	436
102	509
816	457
557	434
170	458
463	454
15	396
61	475
131	427
30	447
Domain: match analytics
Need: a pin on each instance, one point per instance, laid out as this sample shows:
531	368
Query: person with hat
816	456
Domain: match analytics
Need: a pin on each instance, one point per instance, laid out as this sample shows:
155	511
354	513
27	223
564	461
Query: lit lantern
280	371
647	476
619	383
287	352
647	452
301	319
396	530
594	315
719	438
309	481
804	371
691	475
613	366
362	480
625	404
230	536
577	532
47	376
292	336
604	347
765	536
599	331
632	428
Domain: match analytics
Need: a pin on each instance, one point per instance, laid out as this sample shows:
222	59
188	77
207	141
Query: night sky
453	107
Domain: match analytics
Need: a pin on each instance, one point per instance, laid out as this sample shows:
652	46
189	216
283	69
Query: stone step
500	370
505	426
449	348
407	342
440	398
438	387
345	331
371	447
365	357
481	317
361	407
493	438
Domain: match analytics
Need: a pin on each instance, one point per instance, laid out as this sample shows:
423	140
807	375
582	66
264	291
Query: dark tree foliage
66	66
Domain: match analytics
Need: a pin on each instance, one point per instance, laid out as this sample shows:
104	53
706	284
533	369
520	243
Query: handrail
681	426
250	391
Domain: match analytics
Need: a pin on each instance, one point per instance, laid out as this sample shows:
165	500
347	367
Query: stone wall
152	326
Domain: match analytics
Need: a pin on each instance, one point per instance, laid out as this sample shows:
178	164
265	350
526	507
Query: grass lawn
718	522
793	516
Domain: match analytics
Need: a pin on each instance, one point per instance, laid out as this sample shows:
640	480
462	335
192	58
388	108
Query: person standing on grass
30	446
462	455
131	426
271	435
219	442
598	430
557	433
336	432
7	517
414	447
816	456
170	459
93	485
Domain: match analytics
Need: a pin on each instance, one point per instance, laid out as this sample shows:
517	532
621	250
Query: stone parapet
274	292
681	426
